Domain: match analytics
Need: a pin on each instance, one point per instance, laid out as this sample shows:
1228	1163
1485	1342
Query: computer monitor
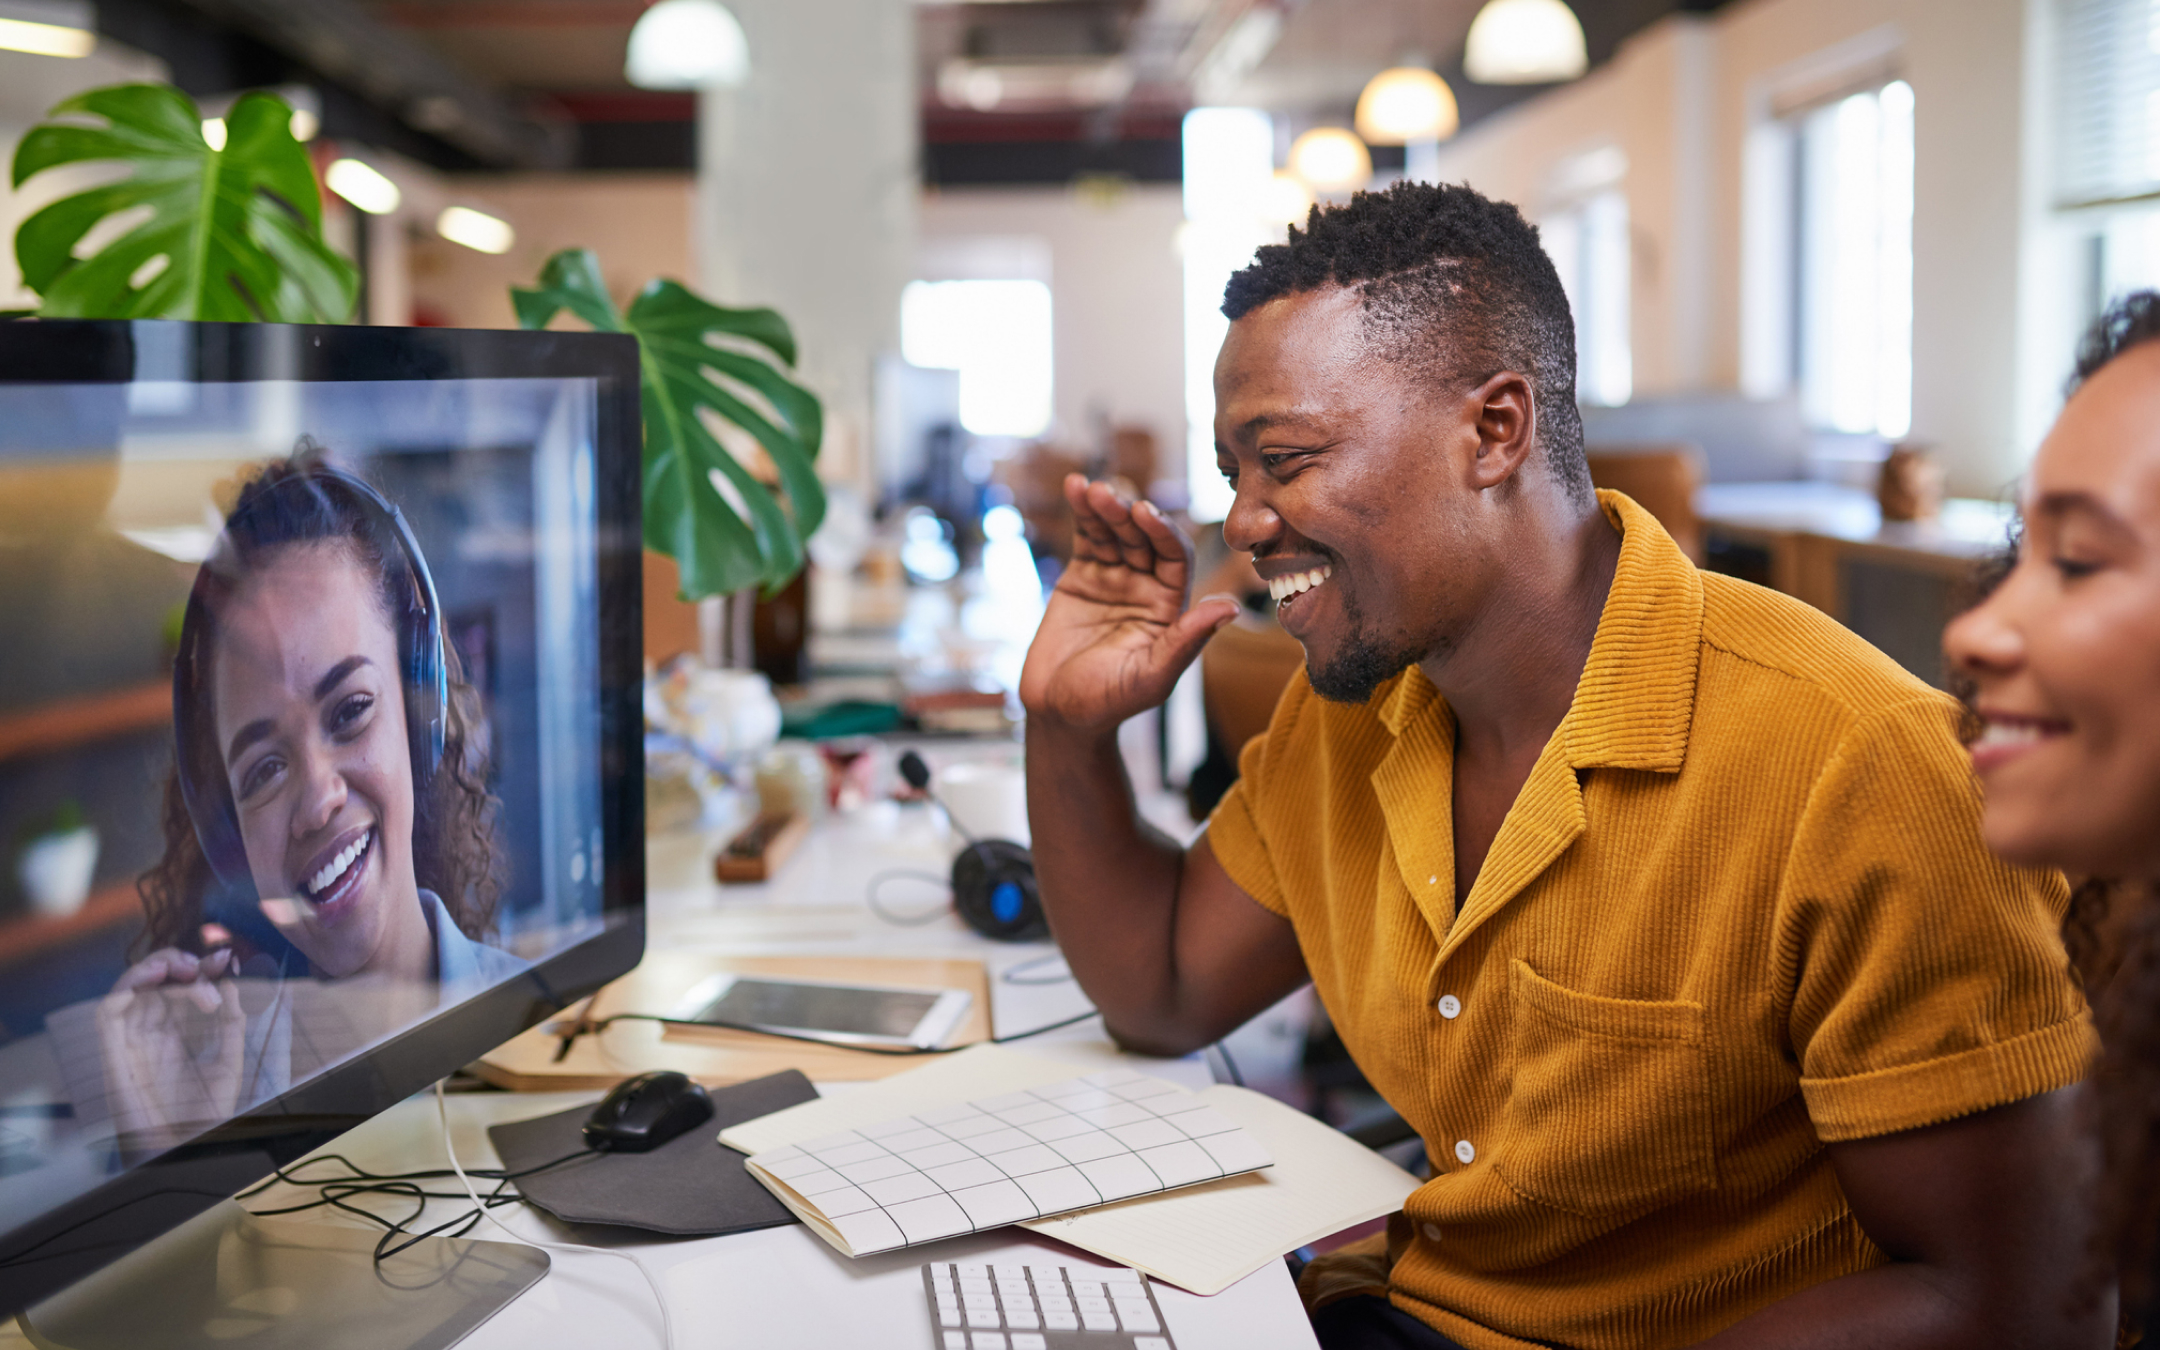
320	742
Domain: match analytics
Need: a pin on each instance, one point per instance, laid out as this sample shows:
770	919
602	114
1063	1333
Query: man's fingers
1173	550
1195	626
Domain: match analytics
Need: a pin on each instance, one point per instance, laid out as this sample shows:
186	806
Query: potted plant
57	861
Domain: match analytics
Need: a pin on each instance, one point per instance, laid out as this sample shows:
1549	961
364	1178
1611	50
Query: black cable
907	920
897	1050
338	1193
1012	974
1236	1078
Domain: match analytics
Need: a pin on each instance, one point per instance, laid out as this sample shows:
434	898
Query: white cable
667	1323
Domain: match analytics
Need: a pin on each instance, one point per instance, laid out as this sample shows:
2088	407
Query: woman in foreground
2063	660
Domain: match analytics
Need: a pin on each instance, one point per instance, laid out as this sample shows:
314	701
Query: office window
1229	165
1853	161
2107	101
1589	245
997	335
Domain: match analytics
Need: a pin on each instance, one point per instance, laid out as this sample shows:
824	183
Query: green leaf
232	234
699	360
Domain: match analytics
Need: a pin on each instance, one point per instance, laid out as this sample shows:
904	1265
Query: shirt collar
1636	699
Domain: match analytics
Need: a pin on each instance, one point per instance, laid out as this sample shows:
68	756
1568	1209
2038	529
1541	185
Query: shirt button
1465	1152
1450	1007
1432	1232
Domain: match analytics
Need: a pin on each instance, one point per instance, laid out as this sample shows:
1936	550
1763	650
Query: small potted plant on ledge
58	858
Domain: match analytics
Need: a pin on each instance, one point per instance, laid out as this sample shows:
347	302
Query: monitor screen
318	741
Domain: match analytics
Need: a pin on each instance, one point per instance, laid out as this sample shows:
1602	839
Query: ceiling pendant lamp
1525	42
1406	105
687	44
1330	159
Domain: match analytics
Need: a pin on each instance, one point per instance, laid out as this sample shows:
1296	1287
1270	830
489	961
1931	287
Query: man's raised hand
1116	634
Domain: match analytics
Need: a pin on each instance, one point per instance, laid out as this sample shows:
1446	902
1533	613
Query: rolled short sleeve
1927	977
1234	830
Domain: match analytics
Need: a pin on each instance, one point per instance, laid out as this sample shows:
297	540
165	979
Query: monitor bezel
154	1196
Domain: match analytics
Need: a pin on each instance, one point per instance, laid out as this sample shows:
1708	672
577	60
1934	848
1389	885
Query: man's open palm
1116	634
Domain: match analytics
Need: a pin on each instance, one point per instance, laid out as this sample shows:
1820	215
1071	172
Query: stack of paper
857	1152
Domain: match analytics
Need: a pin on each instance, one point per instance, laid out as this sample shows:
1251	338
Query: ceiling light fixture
475	229
48	27
1525	42
1330	159
363	186
1404	105
687	44
1289	201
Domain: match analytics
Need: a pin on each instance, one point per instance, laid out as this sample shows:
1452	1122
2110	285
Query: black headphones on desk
993	880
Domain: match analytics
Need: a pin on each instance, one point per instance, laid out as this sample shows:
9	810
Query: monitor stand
230	1280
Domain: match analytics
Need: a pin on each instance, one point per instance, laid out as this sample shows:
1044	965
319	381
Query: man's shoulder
1760	643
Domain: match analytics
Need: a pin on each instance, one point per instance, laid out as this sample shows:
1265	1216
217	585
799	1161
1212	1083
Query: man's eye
2074	568
1276	461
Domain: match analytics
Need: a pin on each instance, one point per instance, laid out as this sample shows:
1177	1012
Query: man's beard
1365	662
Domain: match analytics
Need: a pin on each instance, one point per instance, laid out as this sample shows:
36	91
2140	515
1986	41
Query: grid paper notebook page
1023	1155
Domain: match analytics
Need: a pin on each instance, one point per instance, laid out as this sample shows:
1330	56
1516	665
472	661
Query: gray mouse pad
690	1186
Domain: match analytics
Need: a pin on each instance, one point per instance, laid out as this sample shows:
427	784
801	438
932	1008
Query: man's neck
1511	676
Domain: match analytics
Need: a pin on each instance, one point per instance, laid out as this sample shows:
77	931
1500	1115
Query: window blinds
2107	101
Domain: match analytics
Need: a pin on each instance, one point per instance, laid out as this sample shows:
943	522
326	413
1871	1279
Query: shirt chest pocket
1608	1111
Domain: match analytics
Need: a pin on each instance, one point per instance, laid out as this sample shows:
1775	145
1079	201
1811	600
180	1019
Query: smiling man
1655	901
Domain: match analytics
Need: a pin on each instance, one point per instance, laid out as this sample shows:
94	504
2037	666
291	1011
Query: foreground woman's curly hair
292	503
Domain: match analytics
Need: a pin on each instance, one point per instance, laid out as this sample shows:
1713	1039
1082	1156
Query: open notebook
1203	1236
1030	1154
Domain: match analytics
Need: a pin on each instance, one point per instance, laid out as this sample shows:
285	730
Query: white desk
784	1286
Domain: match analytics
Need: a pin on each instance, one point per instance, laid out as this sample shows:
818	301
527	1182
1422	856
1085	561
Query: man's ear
1505	414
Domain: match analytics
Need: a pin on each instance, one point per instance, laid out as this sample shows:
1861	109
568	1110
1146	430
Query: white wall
806	191
1679	99
1116	291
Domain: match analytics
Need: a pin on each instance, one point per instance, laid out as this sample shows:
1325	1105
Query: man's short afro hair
1454	284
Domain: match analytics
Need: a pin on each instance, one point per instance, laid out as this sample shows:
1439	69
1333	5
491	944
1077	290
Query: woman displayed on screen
329	776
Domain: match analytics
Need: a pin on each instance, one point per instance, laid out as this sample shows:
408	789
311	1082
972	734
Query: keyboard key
1124	1275
1061	1321
1022	1318
989	1340
1138	1317
955	1340
983	1317
975	1270
1099	1321
1149	1343
975	1284
948	1317
1092	1288
980	1300
1016	1288
1027	1340
1054	1302
1010	1272
1088	1305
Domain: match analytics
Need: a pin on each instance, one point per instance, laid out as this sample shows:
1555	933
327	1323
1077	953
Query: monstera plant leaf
229	234
699	359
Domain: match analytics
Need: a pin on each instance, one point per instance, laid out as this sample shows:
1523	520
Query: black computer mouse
644	1112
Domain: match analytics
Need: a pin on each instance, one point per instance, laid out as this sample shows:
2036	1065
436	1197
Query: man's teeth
2010	733
1282	588
335	868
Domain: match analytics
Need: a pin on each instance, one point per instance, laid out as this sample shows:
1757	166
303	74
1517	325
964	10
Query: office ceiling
537	83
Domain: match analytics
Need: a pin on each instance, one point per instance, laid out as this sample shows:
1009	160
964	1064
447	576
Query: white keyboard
978	1306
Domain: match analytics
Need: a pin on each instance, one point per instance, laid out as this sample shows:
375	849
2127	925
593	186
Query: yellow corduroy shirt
1741	909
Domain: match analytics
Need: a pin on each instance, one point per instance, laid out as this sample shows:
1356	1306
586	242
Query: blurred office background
1798	234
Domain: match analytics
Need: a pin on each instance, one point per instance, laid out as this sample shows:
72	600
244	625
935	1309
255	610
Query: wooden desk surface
1968	528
